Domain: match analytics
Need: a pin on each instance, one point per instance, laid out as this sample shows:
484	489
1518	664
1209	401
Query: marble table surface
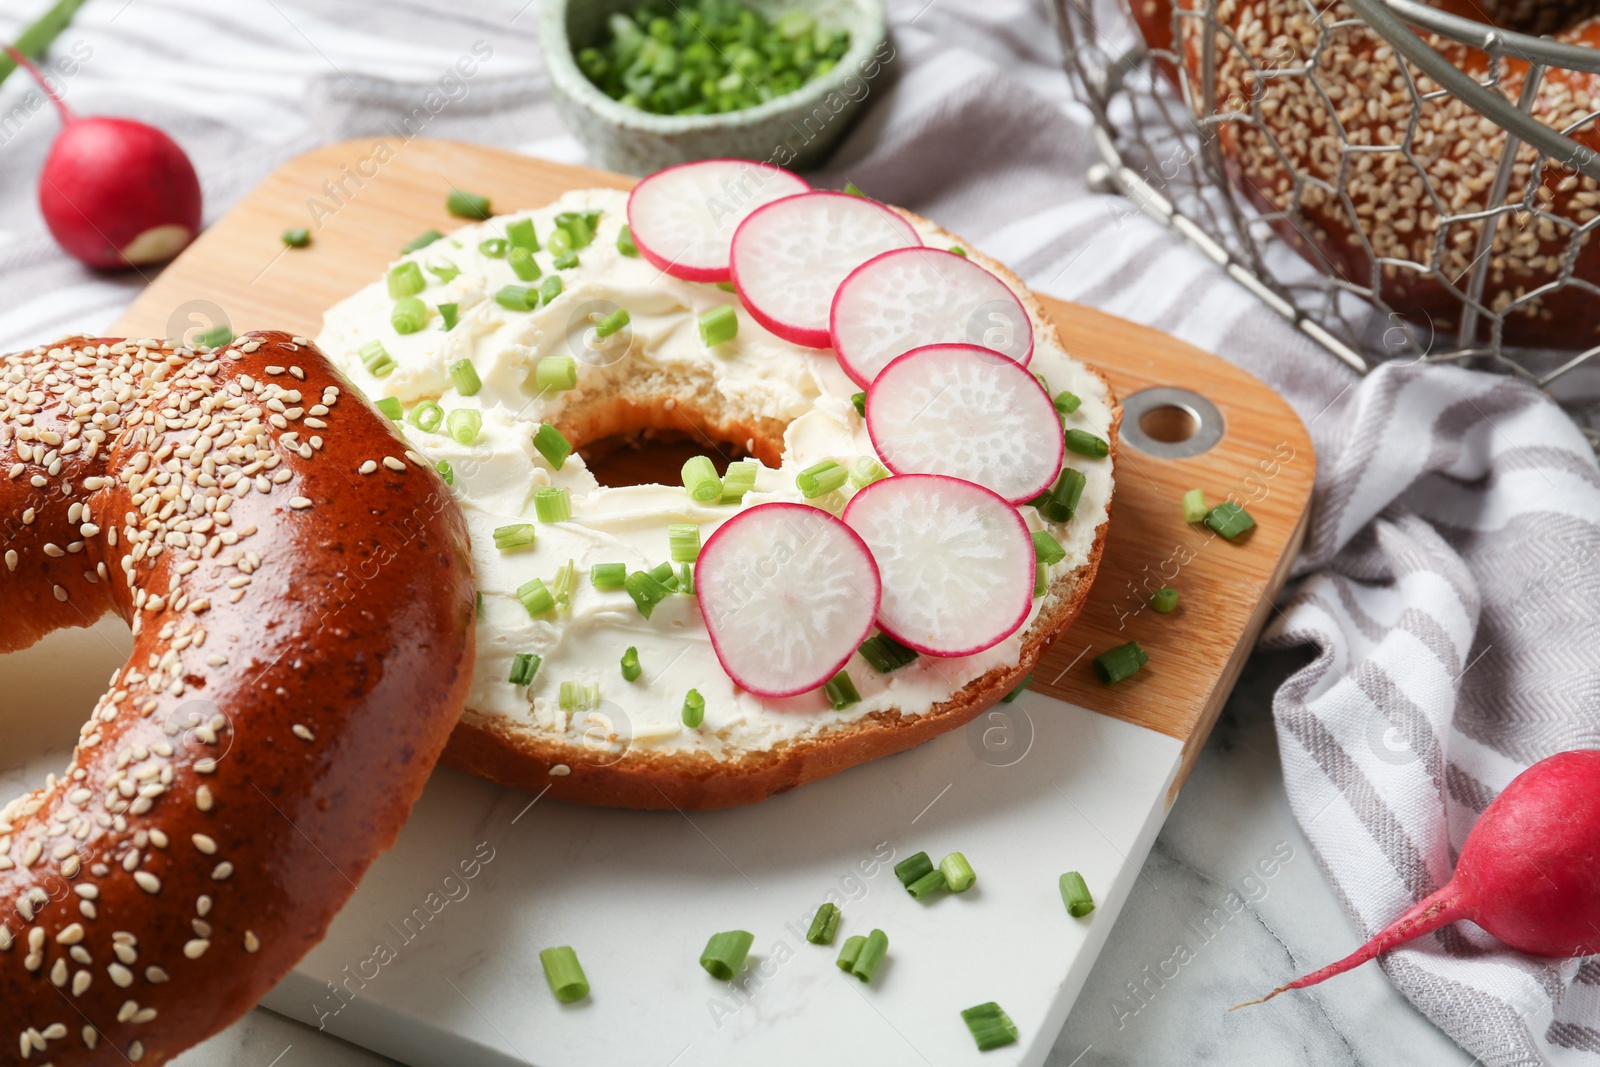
1230	903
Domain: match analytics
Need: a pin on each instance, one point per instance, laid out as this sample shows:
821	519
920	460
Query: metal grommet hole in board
1171	423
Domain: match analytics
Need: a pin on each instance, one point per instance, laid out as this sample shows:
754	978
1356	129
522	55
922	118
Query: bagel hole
50	689
646	439
1169	424
654	457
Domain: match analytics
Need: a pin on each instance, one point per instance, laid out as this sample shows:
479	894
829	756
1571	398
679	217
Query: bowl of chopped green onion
645	84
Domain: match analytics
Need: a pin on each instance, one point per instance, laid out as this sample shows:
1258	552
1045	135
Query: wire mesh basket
1497	230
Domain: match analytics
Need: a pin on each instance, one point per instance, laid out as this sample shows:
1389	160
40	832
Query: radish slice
788	593
683	218
956	561
923	296
970	413
789	258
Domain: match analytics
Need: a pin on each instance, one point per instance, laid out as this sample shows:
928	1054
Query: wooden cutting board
434	968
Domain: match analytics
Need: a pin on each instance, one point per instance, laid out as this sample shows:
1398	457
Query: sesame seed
205	844
147	881
560	770
299	503
366	468
302	733
195	949
252	943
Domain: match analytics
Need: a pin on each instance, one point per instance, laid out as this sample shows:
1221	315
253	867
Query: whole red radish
114	192
1529	872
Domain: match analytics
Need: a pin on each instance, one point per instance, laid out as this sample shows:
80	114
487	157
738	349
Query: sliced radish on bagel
970	413
788	593
790	257
923	296
956	562
683	218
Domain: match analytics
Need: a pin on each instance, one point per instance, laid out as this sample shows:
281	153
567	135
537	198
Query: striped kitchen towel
1449	581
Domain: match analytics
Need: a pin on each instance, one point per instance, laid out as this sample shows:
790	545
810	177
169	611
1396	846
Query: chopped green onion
575	696
1046	549
1061	502
630	663
579	226
376	359
477	602
1165	600
218	336
841	691
550	288
608	575
1018	689
725	953
524	665
719	325
684	539
662	573
612	323
450	314
700	479
443	269
958	250
1195	507
851	190
421	241
958	873
296	238
405	279
1087	444
871	956
552	503
561	249
645	591
694	709
447	472
740	479
850	951
390	408
885	653
687	570
911	868
726	287
465	377
409	315
824	924
521	235
464	424
523	265
1230	520
859	402
517	297
1075	895
991	1027
494	247
821	479
866	470
556	374
562	585
464	205
625	243
1041	579
426	416
1117	664
1067	403
518	535
536	598
565	974
552	445
927	885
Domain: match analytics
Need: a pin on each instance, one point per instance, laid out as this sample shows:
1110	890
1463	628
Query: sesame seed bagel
302	643
1343	208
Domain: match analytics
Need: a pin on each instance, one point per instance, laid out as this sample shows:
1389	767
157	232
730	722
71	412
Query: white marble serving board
436	969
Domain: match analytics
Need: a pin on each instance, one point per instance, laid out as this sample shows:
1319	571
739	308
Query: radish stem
36	38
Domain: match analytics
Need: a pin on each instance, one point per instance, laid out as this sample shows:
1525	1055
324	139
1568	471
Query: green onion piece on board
524	665
521	235
556	374
725	953
1087	444
375	358
536	597
1041	579
464	376
740	479
550	288
841	691
1195	507
218	336
1061	502
719	325
958	873
405	279
871	956
645	591
608	575
625	243
700	479
464	425
409	315
694	709
565	974
849	952
684	539
958	250
1075	895
552	445
523	265
1017	690
552	503
421	241
911	868
630	663
1046	549
825	924
927	885
465	205
390	408
885	654
443	269
296	238
1116	664
866	470
426	416
1067	403
1164	600
821	479
1230	520
612	323
991	1027
859	402
495	247
447	472
450	314
517	535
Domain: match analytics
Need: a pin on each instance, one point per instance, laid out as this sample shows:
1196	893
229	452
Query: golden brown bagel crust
634	778
303	642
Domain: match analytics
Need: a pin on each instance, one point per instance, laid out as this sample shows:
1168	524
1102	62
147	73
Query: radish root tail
67	114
